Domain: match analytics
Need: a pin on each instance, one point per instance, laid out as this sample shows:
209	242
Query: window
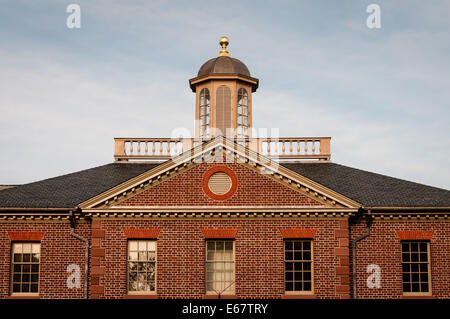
141	266
219	266
298	266
204	113
242	114
25	268
415	267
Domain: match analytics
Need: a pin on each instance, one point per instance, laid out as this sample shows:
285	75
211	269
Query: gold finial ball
224	41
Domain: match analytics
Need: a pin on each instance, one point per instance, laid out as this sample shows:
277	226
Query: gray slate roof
367	188
67	191
371	189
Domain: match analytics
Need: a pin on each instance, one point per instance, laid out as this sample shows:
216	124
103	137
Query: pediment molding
219	150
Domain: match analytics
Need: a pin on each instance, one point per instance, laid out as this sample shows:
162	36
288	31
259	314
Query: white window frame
416	293
12	263
298	292
233	279
143	292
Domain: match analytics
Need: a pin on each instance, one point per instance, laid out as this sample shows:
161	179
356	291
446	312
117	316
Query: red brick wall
383	248
58	250
259	252
185	189
259	257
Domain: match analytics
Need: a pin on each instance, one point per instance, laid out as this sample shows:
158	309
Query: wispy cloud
383	95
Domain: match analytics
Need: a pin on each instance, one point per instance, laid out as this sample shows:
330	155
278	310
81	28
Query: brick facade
383	247
253	189
58	250
259	259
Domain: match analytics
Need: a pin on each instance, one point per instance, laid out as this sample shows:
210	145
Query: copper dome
223	65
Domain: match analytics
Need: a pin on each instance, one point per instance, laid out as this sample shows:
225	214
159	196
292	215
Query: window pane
133	245
423	277
229	246
289	276
36	248
16	278
142	255
34	278
423	247
17	248
306	255
26	248
289	286
406	287
35	258
133	255
307	286
406	278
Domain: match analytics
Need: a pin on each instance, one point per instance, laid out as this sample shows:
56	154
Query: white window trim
143	293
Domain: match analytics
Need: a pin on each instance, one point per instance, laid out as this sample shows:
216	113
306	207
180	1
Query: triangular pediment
224	152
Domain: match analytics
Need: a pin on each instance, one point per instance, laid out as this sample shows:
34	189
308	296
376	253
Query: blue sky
382	94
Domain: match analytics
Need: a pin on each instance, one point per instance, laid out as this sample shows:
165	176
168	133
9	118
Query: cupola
223	88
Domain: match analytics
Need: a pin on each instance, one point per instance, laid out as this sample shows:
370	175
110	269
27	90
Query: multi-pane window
219	266
415	267
242	114
204	113
25	268
141	266
298	265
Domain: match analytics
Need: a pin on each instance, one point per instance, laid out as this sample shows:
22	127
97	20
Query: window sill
298	296
23	297
221	297
138	296
418	297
